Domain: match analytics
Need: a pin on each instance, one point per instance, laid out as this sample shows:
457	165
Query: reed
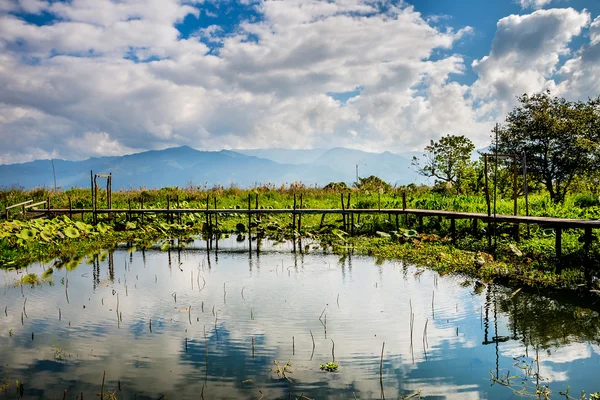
25	312
332	351
425	342
381	363
102	389
252	346
313	348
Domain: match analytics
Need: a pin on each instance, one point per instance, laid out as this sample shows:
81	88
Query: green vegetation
425	242
329	367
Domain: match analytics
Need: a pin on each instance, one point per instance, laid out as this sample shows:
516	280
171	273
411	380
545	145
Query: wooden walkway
499	218
558	224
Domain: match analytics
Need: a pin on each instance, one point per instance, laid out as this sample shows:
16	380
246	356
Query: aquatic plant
329	366
282	371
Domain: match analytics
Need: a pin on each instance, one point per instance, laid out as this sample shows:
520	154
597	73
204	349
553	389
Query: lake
193	323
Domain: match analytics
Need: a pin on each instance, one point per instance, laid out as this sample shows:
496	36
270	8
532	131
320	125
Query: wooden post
208	220
558	242
343	214
487	189
178	214
48	204
475	229
24	212
587	239
70	208
453	229
249	230
421	223
300	215
141	208
487	201
397	224
95	199
92	186
110	189
6	210
515	194
168	208
515	184
216	215
129	213
526	188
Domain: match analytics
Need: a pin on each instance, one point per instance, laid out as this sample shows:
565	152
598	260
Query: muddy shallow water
128	313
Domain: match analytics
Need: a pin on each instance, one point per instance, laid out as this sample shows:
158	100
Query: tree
372	183
558	138
448	160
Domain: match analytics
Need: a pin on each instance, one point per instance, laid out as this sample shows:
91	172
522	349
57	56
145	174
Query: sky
88	78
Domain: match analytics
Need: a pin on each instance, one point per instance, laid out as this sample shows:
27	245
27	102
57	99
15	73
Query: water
363	303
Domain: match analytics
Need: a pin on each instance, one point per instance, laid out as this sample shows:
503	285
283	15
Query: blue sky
97	77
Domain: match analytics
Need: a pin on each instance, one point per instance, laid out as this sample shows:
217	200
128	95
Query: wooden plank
39	203
564	223
19	205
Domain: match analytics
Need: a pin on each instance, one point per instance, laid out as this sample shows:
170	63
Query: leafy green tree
373	183
448	161
559	139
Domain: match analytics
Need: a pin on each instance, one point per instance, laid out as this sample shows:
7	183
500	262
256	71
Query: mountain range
183	166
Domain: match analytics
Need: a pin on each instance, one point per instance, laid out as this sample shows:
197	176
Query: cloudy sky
85	78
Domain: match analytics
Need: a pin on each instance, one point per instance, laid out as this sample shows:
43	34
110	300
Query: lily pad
26	234
46	235
71	232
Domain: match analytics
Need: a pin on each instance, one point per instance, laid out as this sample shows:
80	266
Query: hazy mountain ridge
182	166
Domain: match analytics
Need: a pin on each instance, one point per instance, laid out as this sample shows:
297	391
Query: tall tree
558	138
447	160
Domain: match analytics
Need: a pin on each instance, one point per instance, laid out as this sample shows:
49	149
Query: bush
585	200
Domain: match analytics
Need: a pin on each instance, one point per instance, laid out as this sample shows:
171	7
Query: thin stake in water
381	363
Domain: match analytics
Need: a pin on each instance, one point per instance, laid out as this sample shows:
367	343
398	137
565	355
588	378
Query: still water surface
154	344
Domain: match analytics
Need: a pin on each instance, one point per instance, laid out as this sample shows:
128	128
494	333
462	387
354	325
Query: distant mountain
181	166
286	156
393	168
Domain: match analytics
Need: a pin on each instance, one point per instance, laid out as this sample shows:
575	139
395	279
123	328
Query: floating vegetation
282	371
29	279
329	367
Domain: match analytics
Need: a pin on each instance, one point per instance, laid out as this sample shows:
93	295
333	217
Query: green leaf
71	232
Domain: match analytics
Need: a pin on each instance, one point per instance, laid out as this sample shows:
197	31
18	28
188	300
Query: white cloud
581	73
524	56
265	86
534	3
266	83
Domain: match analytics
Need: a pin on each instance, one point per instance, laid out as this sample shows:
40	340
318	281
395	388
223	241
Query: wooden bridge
348	214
